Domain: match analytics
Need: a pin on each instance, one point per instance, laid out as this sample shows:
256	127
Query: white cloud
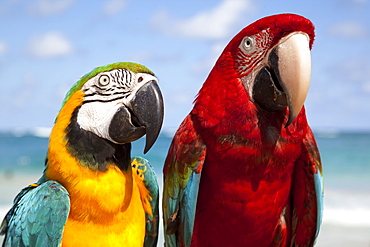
112	7
52	44
215	23
50	7
3	47
350	29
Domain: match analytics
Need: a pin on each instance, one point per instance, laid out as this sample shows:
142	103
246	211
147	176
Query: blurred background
47	45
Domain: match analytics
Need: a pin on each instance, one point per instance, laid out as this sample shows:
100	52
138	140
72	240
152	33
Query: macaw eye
248	43
104	80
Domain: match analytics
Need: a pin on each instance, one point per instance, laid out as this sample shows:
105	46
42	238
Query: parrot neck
223	108
107	184
87	149
93	151
223	98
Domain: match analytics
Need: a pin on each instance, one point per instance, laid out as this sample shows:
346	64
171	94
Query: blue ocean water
345	158
26	153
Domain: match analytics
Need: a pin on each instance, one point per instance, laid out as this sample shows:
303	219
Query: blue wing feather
151	183
182	174
319	188
188	208
318	181
38	216
307	192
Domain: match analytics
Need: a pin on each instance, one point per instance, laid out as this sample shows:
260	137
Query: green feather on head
134	67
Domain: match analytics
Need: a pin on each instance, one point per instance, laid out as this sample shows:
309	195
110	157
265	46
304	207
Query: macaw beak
285	80
142	115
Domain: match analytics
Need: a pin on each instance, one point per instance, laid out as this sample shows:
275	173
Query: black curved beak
143	115
148	107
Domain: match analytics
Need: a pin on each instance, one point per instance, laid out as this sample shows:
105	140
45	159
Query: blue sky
47	45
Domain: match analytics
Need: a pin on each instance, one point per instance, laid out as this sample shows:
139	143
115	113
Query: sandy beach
331	235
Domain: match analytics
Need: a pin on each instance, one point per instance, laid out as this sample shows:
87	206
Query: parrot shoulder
146	180
182	171
38	216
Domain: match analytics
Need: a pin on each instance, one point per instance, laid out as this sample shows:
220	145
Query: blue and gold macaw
92	193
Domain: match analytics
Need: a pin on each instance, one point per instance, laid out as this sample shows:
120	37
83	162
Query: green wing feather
37	217
151	183
182	172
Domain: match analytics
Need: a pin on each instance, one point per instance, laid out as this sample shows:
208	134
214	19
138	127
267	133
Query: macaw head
272	58
118	103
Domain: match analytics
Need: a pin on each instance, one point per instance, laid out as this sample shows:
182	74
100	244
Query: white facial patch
96	116
251	57
105	93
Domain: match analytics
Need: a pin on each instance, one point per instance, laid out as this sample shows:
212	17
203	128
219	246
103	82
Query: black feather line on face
93	151
101	100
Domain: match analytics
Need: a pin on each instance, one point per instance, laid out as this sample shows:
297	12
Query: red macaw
243	168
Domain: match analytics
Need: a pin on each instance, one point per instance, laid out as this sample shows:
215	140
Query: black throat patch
93	151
